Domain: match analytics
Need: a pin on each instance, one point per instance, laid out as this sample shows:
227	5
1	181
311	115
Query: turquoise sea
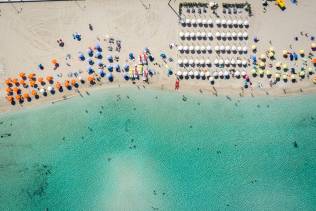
130	149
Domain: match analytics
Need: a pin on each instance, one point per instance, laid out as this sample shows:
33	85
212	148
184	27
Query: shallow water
148	150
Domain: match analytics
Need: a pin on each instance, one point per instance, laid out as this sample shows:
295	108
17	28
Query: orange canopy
73	82
18	97
58	85
8	90
22	82
90	78
32	83
32	75
26	95
34	92
16	89
314	60
15	81
40	79
54	61
8	81
49	78
10	98
22	75
67	83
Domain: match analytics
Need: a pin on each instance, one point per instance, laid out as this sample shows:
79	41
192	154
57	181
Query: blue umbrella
126	76
295	56
90	70
98	47
291	57
254	59
110	76
131	56
146	50
41	67
163	55
109	58
98	55
126	67
81	57
117	67
110	68
90	52
101	72
100	63
90	61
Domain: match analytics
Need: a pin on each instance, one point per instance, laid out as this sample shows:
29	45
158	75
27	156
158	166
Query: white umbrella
220	73
203	34
245	34
222	48
209	22
190	73
202	48
246	23
245	49
185	73
232	62
243	73
42	90
229	22
182	22
208	48
192	35
221	61
233	48
202	61
226	73
181	34
216	61
216	48
202	74
191	62
185	48
196	73
179	73
228	35
197	48
244	62
187	35
180	61
239	49
238	61
235	22
207	74
215	74
217	34
227	48
199	21
209	35
193	21
223	22
239	34
239	22
191	48
185	61
49	88
234	34
197	61
218	22
223	35
198	34
180	48
237	73
207	61
204	22
227	62
187	21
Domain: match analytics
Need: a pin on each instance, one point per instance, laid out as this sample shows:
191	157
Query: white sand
29	32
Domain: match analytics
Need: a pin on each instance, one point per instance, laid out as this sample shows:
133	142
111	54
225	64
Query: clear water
152	150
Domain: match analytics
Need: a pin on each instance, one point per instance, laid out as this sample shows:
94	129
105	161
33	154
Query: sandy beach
29	32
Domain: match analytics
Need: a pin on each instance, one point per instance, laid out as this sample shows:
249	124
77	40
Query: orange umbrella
18	97
32	83
34	93
16	89
49	78
90	78
22	75
73	82
22	82
67	83
314	60
40	79
32	75
8	90
26	95
15	81
54	61
8	82
10	98
58	85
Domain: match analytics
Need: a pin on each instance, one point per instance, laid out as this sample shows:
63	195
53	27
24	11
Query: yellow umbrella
254	71
254	47
269	72
313	45
293	77
277	75
261	72
284	77
310	70
262	64
271	54
302	73
271	49
284	66
278	65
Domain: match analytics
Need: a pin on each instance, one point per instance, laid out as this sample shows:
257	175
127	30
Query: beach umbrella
217	34
271	49
246	23
181	34
209	35
245	49
90	52
110	68
223	35
202	48
211	79
228	35
215	74
126	67
218	22
220	73
239	34
285	67
234	35
116	67
262	64
98	47
207	62
191	73
301	52
131	56
239	49
278	65
185	61
40	79
253	71
233	48
18	97
191	48
209	22
22	75
269	73
221	48
42	91
227	62
49	88
277	76
180	48
263	57
109	58
235	22
187	35
180	62
204	21
199	21
203	34
229	22
302	73
193	21
185	48
243	73
81	57
216	62
237	73
238	62
226	73
285	53
110	76
216	48
208	48
49	78
98	55
207	74
310	70
15	81
191	62
197	62
202	74
90	79
185	74
245	35
221	61
244	62
284	77
196	73
187	21
90	61
254	47
90	70
197	48
100	63
192	34
179	73
223	22
293	77
271	54
240	22
232	62
101	72
202	61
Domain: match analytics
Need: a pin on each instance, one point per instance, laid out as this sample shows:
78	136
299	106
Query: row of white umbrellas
218	22
194	48
208	62
210	75
218	35
217	48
